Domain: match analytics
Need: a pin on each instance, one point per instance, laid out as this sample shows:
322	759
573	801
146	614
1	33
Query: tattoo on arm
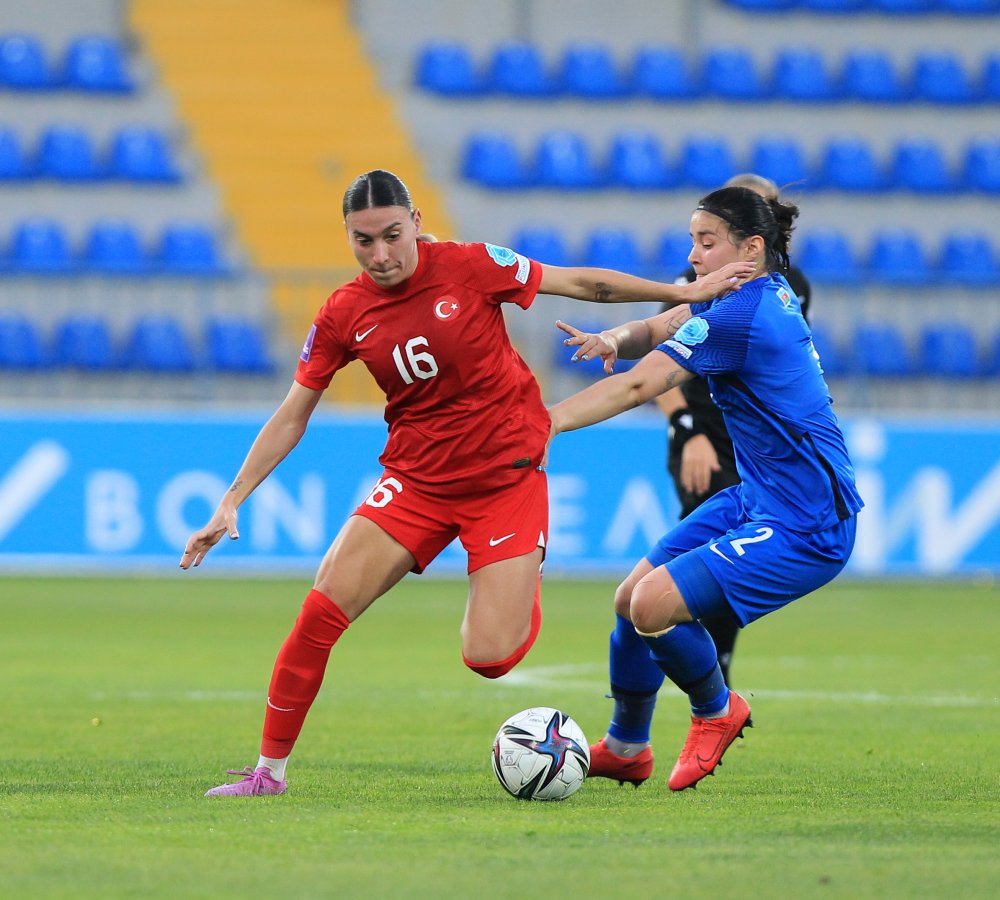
674	378
236	486
602	292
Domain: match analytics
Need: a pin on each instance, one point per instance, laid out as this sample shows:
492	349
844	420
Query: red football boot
633	769
707	740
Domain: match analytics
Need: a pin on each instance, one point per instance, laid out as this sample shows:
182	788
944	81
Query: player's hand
589	345
698	461
203	540
722	281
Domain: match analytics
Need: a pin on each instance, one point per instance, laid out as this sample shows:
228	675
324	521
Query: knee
653	607
623	599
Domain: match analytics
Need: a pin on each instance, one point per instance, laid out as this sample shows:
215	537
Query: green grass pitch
873	769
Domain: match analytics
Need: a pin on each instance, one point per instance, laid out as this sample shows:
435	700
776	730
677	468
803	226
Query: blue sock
687	656
635	679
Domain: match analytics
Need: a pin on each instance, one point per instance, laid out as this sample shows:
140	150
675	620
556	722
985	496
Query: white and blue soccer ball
540	754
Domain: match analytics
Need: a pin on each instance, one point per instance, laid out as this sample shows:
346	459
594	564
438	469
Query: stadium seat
940	77
84	342
15	164
114	247
40	246
948	350
21	344
543	243
833	6
831	356
706	161
880	349
670	254
969	7
67	153
518	69
919	165
22	63
897	256
613	248
871	76
990	84
663	73
763	6
141	153
158	344
969	258
981	165
491	159
589	70
731	73
800	74
902	7
826	256
446	67
637	162
563	160
849	164
189	248
781	159
237	346
93	62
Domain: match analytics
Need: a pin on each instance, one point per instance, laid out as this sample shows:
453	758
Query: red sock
503	666
298	672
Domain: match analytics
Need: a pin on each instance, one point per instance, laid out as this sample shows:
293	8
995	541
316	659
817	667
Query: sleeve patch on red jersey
504	257
308	345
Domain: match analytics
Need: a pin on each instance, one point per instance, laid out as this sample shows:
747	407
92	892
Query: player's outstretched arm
274	442
609	286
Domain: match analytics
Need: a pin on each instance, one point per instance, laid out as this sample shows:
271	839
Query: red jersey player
467	434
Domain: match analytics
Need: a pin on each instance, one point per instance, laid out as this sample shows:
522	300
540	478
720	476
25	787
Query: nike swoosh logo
359	336
280	708
715	549
500	540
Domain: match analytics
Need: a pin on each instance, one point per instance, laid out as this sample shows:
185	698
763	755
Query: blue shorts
717	558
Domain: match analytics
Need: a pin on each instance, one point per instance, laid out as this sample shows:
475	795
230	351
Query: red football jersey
464	411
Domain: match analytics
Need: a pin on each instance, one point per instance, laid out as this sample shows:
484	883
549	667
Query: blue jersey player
785	530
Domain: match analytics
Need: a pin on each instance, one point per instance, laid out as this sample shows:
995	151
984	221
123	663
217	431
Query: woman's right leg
362	564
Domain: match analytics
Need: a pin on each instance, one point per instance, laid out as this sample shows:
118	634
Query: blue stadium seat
849	164
826	256
670	254
981	165
84	342
898	256
115	247
664	73
831	356
706	161
948	350
157	343
141	153
93	62
903	7
919	165
969	7
780	158
15	164
491	158
881	350
189	248
731	73
637	162
871	76
833	6
23	66
969	258
447	67
588	69
763	6
990	84
543	243
564	160
613	248
940	77
992	364
800	74
518	68
21	344
40	246
237	346
67	153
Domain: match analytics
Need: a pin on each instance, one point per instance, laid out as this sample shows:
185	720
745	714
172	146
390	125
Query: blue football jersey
756	352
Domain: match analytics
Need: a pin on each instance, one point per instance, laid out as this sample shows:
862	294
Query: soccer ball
540	754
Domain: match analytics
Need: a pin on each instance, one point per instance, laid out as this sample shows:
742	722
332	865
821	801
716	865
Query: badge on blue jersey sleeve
692	332
504	257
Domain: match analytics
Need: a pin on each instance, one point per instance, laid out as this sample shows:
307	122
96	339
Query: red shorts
492	526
